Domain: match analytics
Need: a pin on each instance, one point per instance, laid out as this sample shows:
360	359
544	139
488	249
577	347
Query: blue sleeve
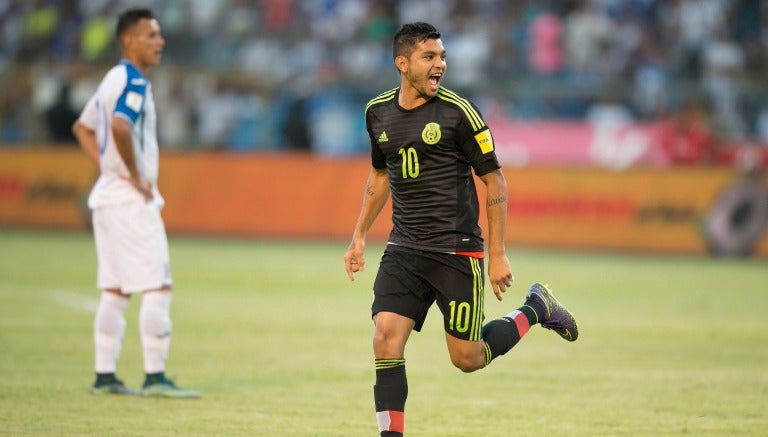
131	101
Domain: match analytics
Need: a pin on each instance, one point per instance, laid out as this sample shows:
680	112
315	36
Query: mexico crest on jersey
431	133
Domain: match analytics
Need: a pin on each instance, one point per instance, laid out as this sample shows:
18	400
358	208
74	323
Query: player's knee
468	364
385	345
379	339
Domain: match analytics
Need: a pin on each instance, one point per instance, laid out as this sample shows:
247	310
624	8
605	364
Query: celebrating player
425	143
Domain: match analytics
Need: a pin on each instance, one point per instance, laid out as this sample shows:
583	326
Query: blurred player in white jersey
117	130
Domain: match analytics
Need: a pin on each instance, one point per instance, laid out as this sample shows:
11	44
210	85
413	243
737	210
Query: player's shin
390	393
155	327
502	334
108	331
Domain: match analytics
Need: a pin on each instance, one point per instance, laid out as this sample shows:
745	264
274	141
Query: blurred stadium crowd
290	74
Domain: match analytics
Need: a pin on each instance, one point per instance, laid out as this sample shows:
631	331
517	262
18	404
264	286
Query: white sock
108	331
155	329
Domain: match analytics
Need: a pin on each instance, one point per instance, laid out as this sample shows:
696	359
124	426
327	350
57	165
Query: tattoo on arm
496	201
369	190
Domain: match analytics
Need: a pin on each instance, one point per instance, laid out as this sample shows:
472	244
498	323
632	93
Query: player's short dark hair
411	34
130	17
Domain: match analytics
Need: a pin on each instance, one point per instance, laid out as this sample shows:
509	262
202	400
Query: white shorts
131	247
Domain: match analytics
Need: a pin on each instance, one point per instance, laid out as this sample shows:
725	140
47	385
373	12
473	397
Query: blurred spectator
233	69
66	37
686	26
608	112
97	34
61	115
723	62
217	111
588	32
470	51
762	126
38	27
333	115
685	137
292	117
169	88
16	114
545	53
649	78
11	35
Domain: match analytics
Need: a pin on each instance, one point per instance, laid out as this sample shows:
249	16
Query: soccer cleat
113	387
556	317
165	388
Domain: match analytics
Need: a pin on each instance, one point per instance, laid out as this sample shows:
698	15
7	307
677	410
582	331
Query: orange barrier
302	196
643	210
45	187
294	195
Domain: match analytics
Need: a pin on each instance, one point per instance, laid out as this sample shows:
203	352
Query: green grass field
278	340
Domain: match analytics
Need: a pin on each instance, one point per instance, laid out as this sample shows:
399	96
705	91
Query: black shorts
410	280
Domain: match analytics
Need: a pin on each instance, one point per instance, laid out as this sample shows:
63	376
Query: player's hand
499	274
142	186
353	260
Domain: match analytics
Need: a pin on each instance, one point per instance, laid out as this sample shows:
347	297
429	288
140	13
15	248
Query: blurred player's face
424	69
144	44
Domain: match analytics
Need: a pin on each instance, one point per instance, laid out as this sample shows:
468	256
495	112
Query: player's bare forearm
87	140
496	208
374	199
122	132
499	272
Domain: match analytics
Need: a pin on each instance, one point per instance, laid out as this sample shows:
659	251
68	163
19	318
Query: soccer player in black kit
425	143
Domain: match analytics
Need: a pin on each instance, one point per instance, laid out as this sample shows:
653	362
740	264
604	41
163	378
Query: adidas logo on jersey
383	137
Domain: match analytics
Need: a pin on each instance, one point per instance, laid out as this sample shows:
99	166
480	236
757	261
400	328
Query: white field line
74	301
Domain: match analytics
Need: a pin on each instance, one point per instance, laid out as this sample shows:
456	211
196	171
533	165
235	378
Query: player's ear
125	40
129	37
401	62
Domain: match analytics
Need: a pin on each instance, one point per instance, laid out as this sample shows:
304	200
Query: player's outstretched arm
374	199
499	272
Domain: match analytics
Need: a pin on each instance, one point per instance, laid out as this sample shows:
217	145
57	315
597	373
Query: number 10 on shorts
459	317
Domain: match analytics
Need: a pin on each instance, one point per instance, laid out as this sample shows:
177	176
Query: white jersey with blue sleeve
124	92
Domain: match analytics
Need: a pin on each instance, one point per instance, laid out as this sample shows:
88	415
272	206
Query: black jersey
429	153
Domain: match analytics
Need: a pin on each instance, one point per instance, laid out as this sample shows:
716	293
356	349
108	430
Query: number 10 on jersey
410	162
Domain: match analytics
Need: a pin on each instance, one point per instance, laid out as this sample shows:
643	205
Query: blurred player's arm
374	199
86	137
499	273
122	131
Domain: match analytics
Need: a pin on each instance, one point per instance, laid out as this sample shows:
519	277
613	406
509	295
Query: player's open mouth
434	80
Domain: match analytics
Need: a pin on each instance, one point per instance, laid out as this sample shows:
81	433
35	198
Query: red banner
618	147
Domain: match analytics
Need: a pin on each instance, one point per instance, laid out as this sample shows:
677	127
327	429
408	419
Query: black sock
105	378
154	378
502	334
536	307
390	393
